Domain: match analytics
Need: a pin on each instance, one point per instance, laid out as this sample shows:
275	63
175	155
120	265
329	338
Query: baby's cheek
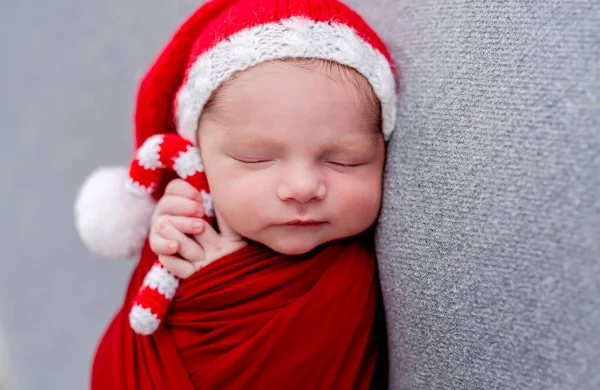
361	201
239	205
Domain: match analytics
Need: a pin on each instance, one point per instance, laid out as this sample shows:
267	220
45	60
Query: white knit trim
161	280
188	163
137	189
290	38
148	155
207	202
143	321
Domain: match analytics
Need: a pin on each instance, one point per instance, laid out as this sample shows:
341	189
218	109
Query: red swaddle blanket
256	319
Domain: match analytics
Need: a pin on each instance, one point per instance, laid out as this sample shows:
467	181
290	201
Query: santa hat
221	38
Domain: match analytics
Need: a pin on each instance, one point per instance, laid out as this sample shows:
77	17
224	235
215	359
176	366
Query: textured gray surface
490	236
491	225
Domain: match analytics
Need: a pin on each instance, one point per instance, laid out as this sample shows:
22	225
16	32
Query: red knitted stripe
199	181
151	299
145	177
171	147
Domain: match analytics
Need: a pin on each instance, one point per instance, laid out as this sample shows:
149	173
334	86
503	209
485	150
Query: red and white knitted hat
221	38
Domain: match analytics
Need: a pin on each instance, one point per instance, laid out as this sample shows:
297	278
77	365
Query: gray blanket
489	241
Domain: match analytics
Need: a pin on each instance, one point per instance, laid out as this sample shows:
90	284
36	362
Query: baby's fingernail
172	246
197	225
200	211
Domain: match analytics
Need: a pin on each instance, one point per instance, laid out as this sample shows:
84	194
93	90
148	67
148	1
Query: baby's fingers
189	249
181	268
178	205
162	246
186	225
180	187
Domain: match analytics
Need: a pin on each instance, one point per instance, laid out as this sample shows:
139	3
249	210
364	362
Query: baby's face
294	155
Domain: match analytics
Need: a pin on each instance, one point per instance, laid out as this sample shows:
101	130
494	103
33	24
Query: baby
289	105
294	154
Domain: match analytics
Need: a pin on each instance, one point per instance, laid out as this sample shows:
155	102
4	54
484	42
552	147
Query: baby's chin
292	246
297	243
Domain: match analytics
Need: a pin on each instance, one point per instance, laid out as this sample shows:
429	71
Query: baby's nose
302	189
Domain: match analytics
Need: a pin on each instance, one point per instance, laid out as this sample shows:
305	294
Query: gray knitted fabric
489	241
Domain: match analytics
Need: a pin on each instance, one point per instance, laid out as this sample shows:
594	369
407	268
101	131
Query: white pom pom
110	220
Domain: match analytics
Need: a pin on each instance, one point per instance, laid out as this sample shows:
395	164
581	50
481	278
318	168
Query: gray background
68	77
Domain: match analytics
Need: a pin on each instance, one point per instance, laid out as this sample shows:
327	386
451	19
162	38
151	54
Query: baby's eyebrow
254	141
331	145
355	140
371	140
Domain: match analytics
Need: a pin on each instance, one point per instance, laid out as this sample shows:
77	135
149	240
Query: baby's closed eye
349	158
250	160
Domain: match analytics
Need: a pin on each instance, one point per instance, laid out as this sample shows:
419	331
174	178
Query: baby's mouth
307	223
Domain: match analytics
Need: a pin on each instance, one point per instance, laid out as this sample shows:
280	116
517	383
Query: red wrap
257	319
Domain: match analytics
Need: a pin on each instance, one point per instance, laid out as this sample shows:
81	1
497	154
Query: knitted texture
489	236
159	153
250	33
219	39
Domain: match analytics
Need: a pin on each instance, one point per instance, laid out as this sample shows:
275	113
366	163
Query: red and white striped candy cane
157	154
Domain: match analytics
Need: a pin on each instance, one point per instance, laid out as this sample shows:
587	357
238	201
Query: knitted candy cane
158	153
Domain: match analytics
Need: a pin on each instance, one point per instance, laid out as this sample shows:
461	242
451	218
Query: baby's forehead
339	73
267	78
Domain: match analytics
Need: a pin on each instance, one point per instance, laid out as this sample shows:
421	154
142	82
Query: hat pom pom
111	220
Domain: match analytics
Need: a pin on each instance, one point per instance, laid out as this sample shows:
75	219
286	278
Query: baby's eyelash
344	164
251	161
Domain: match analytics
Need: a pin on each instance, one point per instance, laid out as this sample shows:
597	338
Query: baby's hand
180	213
